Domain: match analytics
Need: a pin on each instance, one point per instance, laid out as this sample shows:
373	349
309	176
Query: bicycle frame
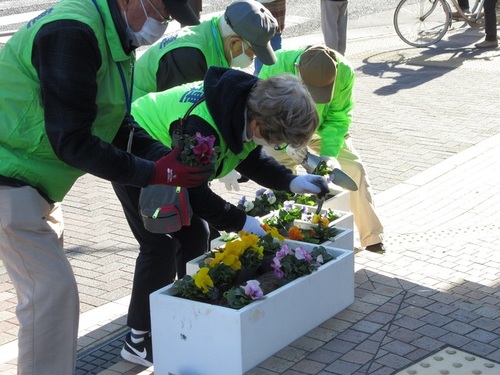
473	18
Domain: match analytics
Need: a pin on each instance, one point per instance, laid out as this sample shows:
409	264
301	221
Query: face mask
242	60
151	31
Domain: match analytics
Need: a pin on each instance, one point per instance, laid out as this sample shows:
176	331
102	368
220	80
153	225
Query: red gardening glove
170	171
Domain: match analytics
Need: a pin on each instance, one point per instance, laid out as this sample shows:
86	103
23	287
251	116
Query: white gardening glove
297	154
309	183
252	225
231	180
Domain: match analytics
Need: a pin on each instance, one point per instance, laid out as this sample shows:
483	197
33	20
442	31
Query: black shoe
378	248
141	352
487	44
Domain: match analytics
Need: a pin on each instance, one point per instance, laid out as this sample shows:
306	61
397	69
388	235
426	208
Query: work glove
309	183
298	155
231	180
252	225
170	171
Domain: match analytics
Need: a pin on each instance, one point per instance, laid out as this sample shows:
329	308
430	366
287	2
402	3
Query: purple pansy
253	290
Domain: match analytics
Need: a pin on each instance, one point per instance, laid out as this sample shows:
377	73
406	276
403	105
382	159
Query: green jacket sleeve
336	116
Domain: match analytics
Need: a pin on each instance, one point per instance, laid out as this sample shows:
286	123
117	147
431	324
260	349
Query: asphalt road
296	9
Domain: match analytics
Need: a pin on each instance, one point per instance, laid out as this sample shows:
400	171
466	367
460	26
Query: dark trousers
490	20
161	257
464	4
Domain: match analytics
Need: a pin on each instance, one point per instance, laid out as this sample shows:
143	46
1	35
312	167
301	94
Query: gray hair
284	110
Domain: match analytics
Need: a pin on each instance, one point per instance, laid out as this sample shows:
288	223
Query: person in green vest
242	113
329	77
228	40
65	98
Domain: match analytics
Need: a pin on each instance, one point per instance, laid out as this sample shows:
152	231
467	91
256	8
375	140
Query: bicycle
421	23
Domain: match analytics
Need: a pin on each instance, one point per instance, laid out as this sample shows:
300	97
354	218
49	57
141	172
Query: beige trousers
48	305
370	228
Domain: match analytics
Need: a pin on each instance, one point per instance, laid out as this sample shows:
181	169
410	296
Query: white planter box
344	221
343	240
338	202
194	338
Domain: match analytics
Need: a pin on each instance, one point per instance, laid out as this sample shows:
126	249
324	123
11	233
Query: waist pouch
164	209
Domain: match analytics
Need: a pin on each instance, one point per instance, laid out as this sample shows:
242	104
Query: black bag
166	209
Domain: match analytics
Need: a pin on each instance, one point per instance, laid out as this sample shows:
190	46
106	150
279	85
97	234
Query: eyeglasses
281	147
164	20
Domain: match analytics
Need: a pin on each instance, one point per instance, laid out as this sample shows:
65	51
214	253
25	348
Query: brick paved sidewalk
427	128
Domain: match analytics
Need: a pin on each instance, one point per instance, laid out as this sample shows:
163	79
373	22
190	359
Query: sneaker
487	44
141	352
378	248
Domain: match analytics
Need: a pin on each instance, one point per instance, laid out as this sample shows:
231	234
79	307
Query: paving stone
366	326
393	361
339	346
342	367
437	320
482	335
431	331
404	334
458	327
398	347
409	323
455	339
324	356
309	367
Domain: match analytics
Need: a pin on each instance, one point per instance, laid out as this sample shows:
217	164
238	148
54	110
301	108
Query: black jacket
226	93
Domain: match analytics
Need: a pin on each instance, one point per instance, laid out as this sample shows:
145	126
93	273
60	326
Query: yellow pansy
202	280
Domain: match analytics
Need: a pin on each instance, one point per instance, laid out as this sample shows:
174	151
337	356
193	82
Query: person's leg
490	18
194	240
490	29
155	264
370	228
464	5
48	305
154	268
342	27
329	22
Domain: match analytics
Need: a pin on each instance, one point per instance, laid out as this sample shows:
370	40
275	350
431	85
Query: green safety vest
25	151
205	37
158	110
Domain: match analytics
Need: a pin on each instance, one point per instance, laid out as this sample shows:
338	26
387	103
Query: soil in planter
268	283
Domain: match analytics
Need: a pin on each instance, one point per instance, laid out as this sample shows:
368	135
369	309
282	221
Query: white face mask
242	60
151	31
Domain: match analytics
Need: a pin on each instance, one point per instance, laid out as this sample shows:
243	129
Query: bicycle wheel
421	23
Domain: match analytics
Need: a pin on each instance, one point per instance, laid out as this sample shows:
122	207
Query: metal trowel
340	178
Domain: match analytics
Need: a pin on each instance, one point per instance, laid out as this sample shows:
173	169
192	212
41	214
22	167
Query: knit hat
181	12
255	24
318	69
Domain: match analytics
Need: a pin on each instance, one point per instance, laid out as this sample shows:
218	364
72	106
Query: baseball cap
181	12
318	69
255	24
